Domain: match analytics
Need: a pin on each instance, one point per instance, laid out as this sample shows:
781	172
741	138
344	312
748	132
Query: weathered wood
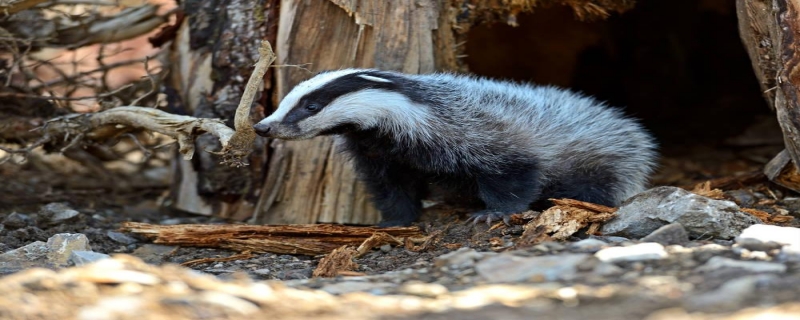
768	29
213	55
318	183
285	239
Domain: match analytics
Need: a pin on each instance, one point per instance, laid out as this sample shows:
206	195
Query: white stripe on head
374	78
389	111
290	100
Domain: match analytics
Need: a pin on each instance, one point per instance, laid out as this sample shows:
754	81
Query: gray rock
673	233
637	252
718	263
588	245
262	272
17	220
154	253
701	216
386	248
79	258
789	237
459	259
743	198
31	255
510	268
60	247
121	237
58	212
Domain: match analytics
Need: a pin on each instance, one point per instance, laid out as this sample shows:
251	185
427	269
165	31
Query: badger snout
263	129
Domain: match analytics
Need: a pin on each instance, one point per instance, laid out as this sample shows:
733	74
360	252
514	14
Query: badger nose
262	129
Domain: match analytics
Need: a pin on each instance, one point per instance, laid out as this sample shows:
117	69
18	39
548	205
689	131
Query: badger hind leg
596	185
507	193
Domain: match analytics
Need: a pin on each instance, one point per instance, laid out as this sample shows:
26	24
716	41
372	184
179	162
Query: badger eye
312	107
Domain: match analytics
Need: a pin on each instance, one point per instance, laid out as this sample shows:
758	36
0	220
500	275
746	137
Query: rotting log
768	29
283	239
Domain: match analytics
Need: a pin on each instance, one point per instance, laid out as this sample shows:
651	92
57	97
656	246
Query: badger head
342	101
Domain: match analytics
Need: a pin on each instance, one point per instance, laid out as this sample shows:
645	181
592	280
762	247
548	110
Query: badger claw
490	216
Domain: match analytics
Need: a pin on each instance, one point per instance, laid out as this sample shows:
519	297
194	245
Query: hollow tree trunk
309	181
212	57
769	30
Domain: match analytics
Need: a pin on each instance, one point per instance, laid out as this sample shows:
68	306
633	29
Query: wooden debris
312	239
735	182
768	218
426	241
564	220
376	240
704	189
338	261
782	171
240	256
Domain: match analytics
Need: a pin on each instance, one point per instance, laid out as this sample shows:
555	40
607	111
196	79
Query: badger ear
374	78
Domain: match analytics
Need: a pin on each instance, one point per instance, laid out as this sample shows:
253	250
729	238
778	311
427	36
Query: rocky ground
666	254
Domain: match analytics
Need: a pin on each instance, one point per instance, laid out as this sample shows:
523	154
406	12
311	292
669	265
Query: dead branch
285	239
242	141
339	260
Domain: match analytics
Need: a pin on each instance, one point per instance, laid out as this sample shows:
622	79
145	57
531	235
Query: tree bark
313	182
213	55
768	29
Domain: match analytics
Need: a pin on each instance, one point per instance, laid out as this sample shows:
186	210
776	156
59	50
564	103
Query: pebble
121	237
607	269
386	248
355	286
637	252
702	217
60	247
506	267
673	233
154	253
58	212
28	256
789	237
79	258
588	245
718	263
262	272
17	220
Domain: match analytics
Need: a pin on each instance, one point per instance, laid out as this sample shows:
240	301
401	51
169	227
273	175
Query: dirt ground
629	294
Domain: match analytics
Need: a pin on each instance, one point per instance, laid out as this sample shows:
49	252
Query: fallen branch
310	239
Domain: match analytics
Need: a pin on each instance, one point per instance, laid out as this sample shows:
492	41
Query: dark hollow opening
679	66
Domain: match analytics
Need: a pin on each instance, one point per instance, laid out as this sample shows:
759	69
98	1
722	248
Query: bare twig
242	141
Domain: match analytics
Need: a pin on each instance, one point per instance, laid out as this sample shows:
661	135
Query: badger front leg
506	194
396	191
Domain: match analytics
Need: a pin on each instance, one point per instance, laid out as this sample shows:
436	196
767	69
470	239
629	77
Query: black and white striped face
338	102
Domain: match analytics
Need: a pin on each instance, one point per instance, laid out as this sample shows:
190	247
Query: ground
456	277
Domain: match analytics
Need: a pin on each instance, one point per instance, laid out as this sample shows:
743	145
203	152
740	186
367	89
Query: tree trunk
309	181
769	30
213	55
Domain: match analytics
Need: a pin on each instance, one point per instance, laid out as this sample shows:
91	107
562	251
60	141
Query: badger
509	144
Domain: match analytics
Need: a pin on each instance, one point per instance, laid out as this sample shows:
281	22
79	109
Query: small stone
79	258
673	233
154	253
60	247
637	252
428	290
756	245
588	245
30	256
700	216
262	272
58	212
17	220
743	198
355	286
717	263
121	237
510	268
789	237
386	248
459	259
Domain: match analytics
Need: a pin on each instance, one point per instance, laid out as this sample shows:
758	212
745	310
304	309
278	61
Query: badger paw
489	216
394	223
